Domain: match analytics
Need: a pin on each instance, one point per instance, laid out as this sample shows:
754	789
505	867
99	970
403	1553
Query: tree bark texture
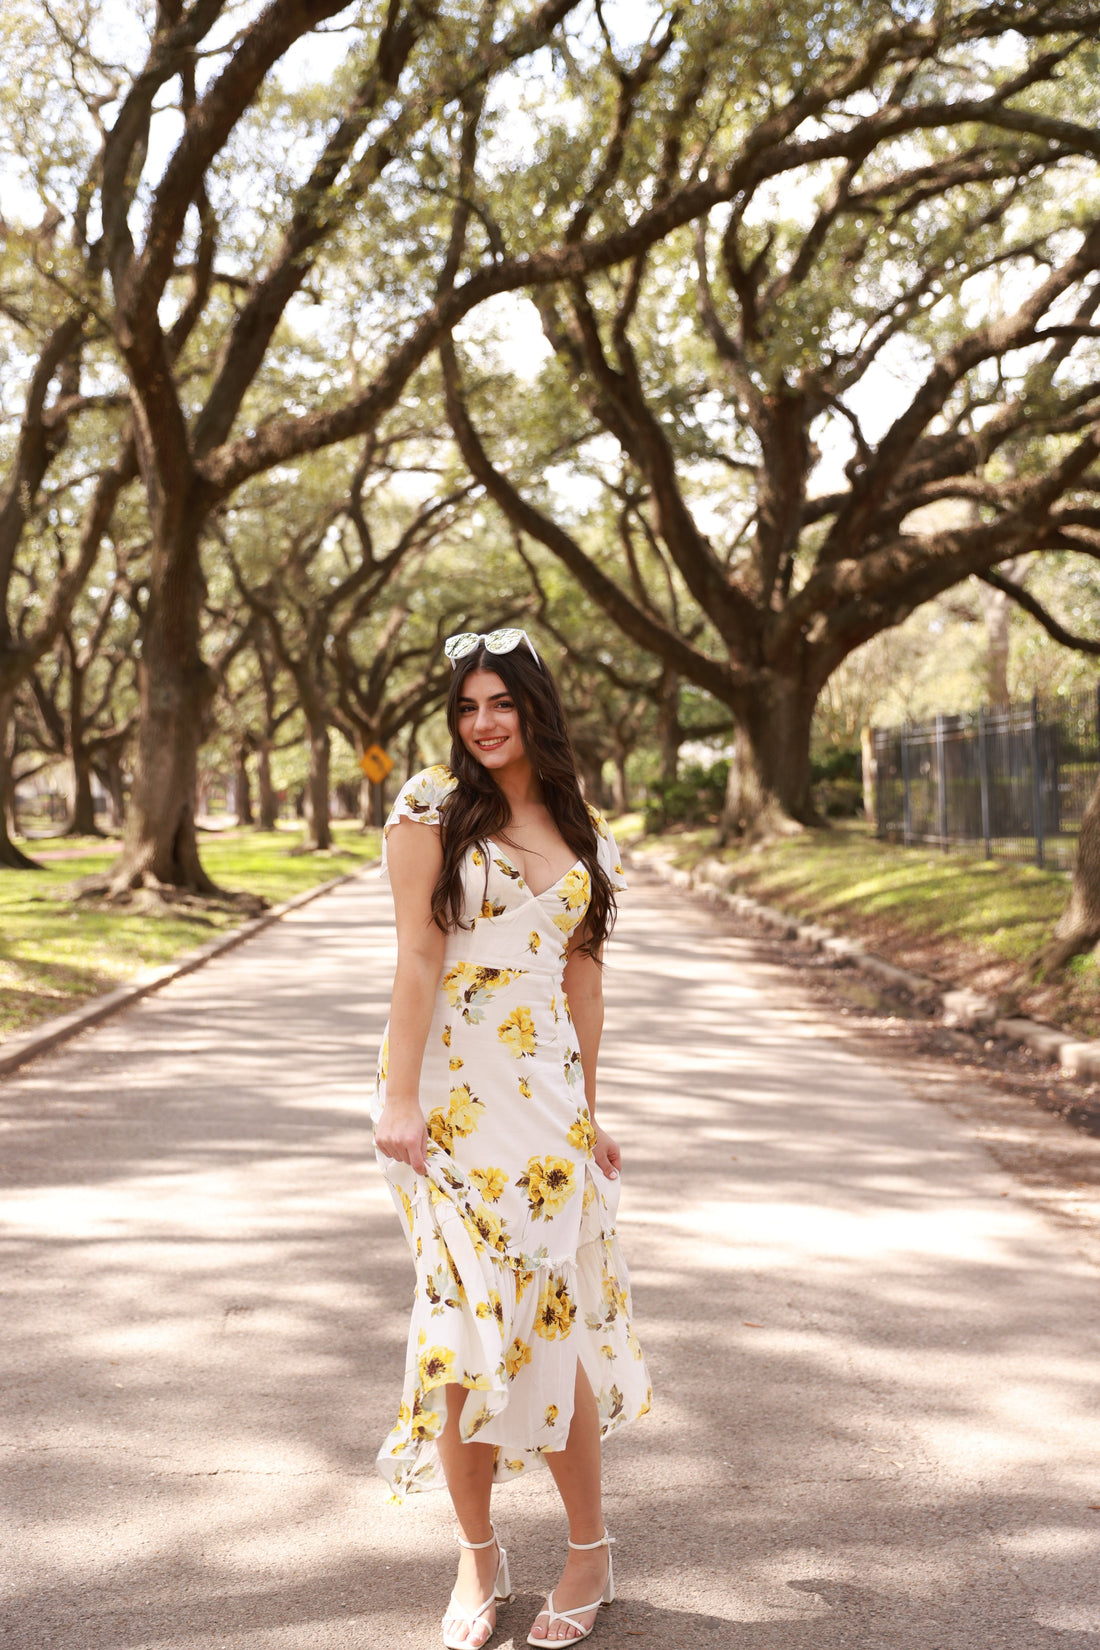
269	802
318	804
11	857
1078	928
176	688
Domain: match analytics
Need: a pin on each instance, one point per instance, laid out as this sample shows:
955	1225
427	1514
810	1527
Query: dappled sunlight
874	1415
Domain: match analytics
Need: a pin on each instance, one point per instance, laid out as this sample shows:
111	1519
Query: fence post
907	811
1037	779
941	782
983	777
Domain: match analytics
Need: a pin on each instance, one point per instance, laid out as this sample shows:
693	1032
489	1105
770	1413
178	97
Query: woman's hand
400	1134
607	1153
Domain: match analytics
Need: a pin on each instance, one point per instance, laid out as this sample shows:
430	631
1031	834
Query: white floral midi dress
518	1270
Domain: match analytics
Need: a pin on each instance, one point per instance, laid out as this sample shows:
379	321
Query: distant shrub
695	798
836	762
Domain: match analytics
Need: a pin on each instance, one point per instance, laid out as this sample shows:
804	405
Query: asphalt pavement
876	1419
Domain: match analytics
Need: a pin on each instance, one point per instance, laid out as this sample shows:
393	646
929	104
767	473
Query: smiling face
488	721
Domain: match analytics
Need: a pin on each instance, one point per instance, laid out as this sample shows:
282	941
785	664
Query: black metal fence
1013	782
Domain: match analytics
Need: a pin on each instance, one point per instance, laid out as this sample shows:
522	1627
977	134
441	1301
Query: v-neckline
524	884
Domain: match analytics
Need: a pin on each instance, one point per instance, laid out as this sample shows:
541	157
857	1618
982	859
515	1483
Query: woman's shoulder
607	848
420	796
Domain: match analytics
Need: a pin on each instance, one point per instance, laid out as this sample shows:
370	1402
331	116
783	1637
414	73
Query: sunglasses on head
495	641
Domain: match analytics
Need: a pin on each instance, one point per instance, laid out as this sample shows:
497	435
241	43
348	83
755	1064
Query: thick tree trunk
11	857
243	788
1078	928
82	821
269	802
318	820
769	792
621	785
668	725
161	844
109	769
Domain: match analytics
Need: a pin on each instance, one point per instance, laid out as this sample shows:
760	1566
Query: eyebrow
492	699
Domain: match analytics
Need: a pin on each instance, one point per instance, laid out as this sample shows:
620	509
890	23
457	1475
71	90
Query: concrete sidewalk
876	1418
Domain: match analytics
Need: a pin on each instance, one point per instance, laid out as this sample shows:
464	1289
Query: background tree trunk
10	856
318	820
176	687
269	802
1078	928
243	787
768	792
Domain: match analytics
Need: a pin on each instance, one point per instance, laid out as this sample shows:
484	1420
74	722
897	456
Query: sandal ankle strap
479	1546
590	1546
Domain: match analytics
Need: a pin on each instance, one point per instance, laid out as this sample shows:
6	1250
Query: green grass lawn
56	952
967	921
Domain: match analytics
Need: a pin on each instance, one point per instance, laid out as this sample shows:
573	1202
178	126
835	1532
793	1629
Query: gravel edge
958	1007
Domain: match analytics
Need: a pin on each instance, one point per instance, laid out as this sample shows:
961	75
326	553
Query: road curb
18	1051
957	1006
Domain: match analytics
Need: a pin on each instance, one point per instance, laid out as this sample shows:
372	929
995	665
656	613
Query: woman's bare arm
414	857
583	982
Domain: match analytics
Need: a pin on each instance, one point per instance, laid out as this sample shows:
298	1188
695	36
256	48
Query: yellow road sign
376	764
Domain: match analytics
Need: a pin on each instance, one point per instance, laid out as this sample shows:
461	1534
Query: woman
520	1344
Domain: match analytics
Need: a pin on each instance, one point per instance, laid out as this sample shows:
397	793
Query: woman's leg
469	1473
576	1470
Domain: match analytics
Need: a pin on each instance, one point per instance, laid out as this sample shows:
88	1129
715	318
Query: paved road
876	1419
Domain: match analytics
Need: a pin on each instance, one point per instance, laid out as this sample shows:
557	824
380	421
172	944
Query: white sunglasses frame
491	640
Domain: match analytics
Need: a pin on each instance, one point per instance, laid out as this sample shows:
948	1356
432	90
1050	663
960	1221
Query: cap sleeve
607	852
419	800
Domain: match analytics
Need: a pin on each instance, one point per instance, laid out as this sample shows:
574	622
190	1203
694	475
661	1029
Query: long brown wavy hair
477	808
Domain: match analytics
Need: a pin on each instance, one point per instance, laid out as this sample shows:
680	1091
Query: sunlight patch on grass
56	952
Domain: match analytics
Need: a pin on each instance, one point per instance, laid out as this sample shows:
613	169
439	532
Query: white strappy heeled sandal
470	1618
570	1616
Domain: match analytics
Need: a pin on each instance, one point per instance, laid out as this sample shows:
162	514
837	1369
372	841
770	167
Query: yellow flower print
435	1367
456	1062
549	1185
518	1033
514	1466
440	1130
568	920
406	1204
524	1280
425	1423
462	1113
574	1068
478	857
575	890
582	1136
518	1354
446	1036
551	1414
384	1059
490	1182
481	1419
589	1193
614	1297
510	871
490	1227
491	908
555	1312
607	1352
534	940
468	987
525	1088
